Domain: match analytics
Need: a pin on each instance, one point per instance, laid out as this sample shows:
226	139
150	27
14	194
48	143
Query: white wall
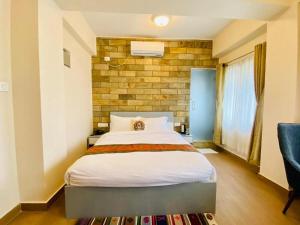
9	191
237	34
242	50
52	94
280	89
66	93
26	98
78	97
48	139
77	25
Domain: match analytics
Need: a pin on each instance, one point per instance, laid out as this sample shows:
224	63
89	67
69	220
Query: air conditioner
147	48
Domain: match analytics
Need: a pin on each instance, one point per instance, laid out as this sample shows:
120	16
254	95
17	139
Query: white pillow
118	123
156	124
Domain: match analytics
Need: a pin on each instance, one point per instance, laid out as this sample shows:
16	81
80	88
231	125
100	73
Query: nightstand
91	140
187	137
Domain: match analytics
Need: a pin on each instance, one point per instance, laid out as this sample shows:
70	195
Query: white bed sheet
140	169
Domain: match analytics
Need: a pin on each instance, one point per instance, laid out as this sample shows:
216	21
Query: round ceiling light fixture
161	21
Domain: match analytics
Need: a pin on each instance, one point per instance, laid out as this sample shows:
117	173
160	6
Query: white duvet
140	169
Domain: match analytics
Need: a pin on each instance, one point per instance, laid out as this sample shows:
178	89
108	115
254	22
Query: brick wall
146	83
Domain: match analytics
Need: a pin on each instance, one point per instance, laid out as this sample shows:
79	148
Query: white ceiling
141	25
190	19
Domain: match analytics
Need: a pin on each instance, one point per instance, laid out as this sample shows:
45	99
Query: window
239	106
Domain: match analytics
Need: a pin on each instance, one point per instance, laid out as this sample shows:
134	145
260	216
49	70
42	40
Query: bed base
85	202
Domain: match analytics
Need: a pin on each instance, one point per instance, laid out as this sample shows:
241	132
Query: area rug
207	151
177	219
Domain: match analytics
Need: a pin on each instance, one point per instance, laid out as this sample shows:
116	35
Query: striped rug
177	219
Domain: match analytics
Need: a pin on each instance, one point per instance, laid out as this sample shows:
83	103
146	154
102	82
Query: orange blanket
98	149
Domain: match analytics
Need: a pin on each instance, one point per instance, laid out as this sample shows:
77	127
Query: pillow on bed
156	124
118	123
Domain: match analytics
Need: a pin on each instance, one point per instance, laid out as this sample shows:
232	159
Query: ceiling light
161	21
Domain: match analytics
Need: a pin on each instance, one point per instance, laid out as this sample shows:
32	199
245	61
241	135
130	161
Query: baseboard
253	168
8	217
276	186
205	144
42	206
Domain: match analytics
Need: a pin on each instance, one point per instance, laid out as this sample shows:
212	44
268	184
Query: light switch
3	86
67	58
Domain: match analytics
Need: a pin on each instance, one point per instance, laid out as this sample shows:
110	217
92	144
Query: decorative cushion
138	125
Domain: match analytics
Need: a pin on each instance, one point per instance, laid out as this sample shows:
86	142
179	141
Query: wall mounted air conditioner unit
147	48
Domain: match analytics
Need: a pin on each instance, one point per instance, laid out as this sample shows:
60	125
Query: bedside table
187	137
91	140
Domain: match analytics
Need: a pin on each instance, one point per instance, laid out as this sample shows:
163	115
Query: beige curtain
259	83
217	139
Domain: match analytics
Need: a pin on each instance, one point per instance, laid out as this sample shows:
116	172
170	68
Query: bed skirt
86	202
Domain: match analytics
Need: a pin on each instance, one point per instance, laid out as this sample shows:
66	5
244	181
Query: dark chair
289	142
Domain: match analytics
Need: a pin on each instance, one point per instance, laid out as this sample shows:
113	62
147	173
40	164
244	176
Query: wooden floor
242	199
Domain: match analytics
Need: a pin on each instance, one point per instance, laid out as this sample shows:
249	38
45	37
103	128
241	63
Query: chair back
289	142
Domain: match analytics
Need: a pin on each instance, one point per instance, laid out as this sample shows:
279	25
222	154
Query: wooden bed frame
83	202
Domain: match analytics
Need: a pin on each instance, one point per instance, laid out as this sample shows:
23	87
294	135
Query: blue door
202	104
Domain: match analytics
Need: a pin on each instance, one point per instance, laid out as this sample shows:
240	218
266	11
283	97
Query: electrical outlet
177	124
3	86
106	59
102	125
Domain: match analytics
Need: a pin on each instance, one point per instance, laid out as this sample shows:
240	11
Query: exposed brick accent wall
146	83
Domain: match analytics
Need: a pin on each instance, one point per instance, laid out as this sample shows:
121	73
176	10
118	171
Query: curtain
219	101
239	106
259	85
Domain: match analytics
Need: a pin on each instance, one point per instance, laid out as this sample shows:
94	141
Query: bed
140	182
